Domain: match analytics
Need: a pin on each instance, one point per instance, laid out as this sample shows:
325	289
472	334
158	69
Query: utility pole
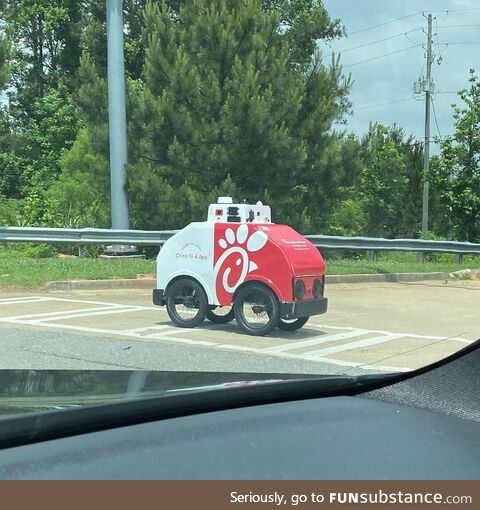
117	124
428	89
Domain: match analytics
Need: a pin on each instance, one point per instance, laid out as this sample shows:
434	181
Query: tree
383	182
4	57
94	35
40	120
229	97
456	173
8	179
303	23
222	100
390	185
51	130
80	198
385	197
46	34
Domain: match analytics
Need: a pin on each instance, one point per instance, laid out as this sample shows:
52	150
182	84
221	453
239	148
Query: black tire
186	293
292	325
217	318
261	305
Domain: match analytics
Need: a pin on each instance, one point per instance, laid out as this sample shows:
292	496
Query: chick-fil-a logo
234	247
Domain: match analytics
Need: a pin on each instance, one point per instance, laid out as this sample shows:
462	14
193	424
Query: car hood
31	391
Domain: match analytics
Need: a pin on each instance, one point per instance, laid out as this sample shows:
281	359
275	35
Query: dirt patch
146	276
475	274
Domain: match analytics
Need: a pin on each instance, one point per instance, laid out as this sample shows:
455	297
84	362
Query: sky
390	78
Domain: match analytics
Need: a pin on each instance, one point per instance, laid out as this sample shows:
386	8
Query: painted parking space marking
82	313
327	341
318	340
410	335
355	345
21	300
35	317
147	328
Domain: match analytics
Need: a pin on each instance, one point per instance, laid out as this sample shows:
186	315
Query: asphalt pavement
368	328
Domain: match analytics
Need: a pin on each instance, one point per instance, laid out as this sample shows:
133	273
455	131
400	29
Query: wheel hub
189	302
259	308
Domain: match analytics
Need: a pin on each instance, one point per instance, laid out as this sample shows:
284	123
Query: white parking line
409	335
366	366
351	364
57	315
171	330
121	333
239	348
20	300
110	311
148	328
353	345
156	308
318	340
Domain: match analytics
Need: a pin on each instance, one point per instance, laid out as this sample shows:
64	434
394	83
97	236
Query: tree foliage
40	120
456	173
391	182
385	198
45	36
303	23
221	100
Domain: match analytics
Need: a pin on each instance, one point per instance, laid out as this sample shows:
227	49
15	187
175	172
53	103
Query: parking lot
369	327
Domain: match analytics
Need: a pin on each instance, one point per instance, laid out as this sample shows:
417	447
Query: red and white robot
238	264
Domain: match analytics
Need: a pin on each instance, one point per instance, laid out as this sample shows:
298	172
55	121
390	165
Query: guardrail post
81	251
459	258
372	255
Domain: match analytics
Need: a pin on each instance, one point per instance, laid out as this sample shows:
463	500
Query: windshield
250	187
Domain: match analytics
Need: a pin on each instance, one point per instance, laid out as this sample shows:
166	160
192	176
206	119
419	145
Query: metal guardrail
379	244
85	236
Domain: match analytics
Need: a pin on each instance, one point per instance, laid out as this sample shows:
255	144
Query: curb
71	285
387	277
148	283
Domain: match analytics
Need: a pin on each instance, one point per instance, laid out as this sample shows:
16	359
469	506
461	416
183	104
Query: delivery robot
239	265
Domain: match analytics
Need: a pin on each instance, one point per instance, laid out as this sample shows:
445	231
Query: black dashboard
424	426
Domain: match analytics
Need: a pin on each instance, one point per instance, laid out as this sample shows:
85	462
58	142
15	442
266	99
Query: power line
460	10
437	58
445	11
435	117
456	26
376	42
462	42
382	104
383	24
382	56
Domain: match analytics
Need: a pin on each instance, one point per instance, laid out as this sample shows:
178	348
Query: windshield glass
147	148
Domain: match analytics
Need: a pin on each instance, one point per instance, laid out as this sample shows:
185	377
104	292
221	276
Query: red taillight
298	290
317	289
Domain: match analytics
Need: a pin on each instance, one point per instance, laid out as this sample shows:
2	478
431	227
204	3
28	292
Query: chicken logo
233	256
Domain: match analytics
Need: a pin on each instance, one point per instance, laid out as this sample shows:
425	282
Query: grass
17	269
406	263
